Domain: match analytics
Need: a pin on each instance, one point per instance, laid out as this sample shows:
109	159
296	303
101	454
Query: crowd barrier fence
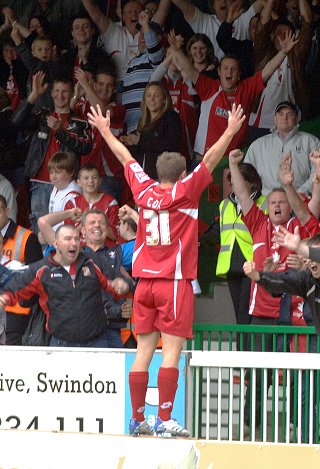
287	384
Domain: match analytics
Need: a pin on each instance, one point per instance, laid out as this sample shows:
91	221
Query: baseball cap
286	104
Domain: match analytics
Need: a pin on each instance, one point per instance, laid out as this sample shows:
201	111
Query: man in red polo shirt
218	96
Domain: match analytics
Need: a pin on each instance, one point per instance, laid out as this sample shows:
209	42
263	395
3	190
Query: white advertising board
74	390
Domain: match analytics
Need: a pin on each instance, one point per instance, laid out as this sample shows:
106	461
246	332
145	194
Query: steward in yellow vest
233	230
236	246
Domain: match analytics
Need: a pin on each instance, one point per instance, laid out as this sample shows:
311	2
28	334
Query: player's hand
235	119
289	240
125	212
96	119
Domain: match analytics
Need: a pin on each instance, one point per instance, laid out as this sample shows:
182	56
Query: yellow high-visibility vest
233	228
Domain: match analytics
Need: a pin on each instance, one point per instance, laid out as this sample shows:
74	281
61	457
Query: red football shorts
164	305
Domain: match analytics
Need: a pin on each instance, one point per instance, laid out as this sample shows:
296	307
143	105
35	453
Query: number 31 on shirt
158	228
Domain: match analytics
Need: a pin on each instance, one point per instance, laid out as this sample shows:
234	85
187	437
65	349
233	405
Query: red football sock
167	385
138	382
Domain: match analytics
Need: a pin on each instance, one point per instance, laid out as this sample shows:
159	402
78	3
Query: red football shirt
262	303
215	104
167	238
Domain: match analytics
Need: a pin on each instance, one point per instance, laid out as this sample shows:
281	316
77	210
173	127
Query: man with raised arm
165	260
264	308
217	96
121	42
207	24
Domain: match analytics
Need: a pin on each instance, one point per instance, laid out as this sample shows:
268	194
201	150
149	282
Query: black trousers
239	289
16	325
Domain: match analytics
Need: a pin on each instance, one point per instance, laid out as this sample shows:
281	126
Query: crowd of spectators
168	72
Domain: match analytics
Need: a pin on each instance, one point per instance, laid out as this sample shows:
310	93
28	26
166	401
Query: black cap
286	104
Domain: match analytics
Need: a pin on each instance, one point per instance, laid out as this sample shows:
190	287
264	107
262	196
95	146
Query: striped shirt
137	76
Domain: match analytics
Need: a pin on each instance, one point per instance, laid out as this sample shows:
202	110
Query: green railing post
212	337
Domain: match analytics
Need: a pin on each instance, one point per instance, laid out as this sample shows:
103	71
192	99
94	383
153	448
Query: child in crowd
62	169
128	224
39	58
89	181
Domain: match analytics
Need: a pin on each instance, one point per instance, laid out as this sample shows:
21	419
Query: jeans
40	196
98	342
114	338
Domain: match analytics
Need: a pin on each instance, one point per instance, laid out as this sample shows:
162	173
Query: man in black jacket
68	284
84	50
53	131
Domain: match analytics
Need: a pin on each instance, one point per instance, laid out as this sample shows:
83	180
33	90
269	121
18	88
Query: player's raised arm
96	119
215	153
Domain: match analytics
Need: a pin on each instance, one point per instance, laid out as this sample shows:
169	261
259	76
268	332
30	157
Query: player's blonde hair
170	166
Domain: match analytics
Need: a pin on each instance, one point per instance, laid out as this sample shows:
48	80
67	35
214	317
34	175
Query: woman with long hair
159	128
200	52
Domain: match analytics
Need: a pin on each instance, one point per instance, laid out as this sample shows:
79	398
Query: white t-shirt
210	24
278	89
120	45
59	198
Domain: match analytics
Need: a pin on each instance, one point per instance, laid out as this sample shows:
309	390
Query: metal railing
287	385
219	336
